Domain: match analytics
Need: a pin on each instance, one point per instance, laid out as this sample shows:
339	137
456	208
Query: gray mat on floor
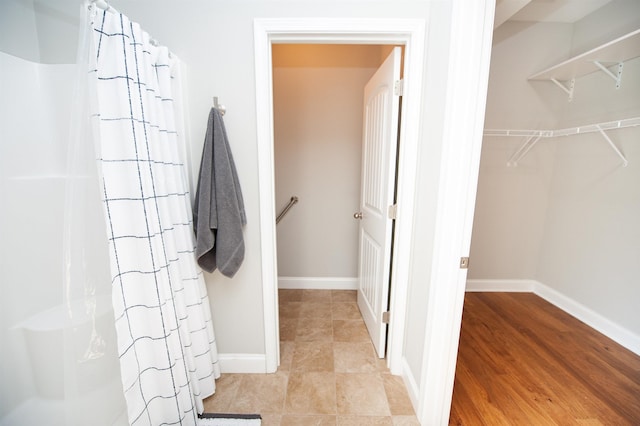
218	419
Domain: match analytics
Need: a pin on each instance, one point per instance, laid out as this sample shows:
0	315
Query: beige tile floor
329	373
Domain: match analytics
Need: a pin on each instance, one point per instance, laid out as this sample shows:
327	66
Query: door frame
407	32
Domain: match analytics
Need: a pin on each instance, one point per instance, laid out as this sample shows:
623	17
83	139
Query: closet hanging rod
533	136
517	132
589	128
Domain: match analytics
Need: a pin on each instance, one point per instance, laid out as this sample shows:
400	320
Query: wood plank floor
522	361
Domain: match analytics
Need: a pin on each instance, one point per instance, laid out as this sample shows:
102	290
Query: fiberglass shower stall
57	342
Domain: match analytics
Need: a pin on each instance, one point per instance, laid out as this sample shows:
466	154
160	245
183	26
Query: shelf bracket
567	90
616	77
613	146
523	150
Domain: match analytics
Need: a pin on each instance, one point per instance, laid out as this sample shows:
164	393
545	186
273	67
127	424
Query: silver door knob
357	215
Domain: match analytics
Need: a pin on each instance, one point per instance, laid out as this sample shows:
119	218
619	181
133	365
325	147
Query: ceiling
566	11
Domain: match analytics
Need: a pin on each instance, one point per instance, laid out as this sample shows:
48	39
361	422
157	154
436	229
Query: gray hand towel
218	214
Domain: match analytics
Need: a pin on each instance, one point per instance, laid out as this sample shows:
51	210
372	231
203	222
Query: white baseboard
516	286
318	283
593	319
242	363
411	384
614	331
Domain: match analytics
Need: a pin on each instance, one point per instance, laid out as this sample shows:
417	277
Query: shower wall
57	346
31	167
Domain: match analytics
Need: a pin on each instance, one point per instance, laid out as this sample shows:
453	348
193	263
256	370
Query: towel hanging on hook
219	107
218	212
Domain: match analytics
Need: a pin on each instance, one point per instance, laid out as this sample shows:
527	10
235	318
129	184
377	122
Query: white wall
590	247
566	216
317	96
512	201
613	20
428	173
18	30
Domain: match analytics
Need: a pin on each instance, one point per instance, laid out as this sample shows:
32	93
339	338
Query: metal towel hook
219	107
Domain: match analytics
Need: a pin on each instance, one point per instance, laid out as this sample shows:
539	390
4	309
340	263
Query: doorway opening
326	98
410	34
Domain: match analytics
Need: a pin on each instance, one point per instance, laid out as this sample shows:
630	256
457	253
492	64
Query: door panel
380	135
370	257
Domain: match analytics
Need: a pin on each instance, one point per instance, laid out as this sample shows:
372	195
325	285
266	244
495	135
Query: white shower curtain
166	342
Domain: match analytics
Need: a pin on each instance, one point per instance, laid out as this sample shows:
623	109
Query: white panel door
380	136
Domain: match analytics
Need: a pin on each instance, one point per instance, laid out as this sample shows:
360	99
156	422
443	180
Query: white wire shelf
533	136
600	58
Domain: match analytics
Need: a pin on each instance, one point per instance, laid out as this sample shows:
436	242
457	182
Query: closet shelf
533	136
598	59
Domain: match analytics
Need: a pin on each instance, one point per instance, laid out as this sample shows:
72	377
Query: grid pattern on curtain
166	341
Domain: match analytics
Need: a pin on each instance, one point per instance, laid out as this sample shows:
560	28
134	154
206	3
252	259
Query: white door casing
379	145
